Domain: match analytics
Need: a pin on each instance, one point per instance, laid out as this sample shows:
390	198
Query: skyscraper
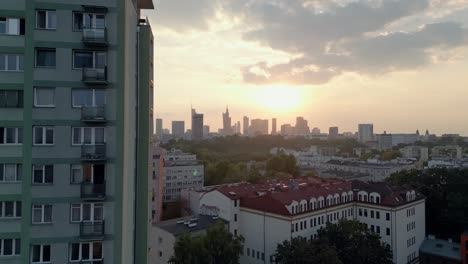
333	132
178	129
302	128
227	129
273	126
246	125
197	125
258	127
366	132
206	131
78	122
159	127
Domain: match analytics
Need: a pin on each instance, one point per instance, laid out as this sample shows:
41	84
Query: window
88	97
11	99
89	59
360	212
88	20
235	217
12	62
387	216
387	231
10	209
10	172
377	229
10	247
377	214
11	135
45	58
43	174
44	97
88	135
372	213
235	232
365	212
235	203
87	212
41	213
40	254
12	26
372	228
248	252
43	135
46	19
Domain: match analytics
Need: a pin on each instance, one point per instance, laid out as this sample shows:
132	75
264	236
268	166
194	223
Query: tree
217	246
301	251
356	244
345	242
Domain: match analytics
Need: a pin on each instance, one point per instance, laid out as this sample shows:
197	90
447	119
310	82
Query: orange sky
408	73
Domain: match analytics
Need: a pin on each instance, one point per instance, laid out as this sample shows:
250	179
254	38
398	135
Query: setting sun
279	98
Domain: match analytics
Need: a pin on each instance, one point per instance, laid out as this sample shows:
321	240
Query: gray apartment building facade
76	86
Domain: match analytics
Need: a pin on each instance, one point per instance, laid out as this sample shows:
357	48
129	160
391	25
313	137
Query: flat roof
179	226
441	248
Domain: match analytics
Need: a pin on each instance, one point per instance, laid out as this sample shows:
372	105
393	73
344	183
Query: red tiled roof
273	196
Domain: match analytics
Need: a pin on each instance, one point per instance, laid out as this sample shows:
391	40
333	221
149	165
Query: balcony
95	75
94	114
95	37
92	230
93	152
93	191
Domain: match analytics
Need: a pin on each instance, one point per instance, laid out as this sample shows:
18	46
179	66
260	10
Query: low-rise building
165	234
415	152
446	152
269	213
437	251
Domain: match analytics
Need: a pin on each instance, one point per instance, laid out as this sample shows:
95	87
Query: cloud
326	38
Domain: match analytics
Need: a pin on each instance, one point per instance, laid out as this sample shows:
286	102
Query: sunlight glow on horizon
279	98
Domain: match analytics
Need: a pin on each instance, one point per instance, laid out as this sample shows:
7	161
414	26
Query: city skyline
205	49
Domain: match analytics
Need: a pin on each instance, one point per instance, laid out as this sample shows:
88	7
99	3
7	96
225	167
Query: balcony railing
95	75
93	114
93	191
93	152
95	36
92	230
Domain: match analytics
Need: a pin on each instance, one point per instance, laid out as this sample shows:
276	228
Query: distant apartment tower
178	129
366	132
258	127
197	125
333	132
76	110
273	126
181	170
159	128
287	130
237	129
246	125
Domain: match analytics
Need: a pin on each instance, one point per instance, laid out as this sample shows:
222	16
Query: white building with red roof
266	214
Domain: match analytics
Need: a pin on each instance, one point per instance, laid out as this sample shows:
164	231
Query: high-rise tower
76	125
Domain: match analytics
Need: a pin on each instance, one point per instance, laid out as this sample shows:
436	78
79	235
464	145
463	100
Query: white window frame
90	253
15	210
42	168
44	136
94	52
41	254
93	135
12	26
93	91
18	58
36	104
92	208
41	209
3	167
47	22
13	247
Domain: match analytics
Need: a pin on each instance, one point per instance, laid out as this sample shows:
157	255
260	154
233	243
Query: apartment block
76	86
